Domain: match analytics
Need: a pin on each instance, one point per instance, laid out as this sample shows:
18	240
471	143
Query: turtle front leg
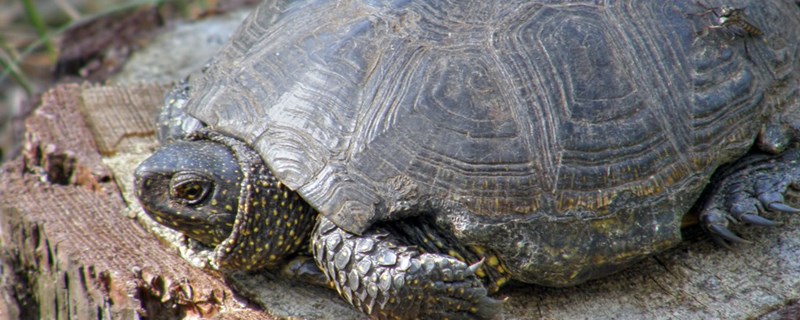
752	186
379	275
305	269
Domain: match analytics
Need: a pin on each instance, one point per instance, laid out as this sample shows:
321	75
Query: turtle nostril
141	180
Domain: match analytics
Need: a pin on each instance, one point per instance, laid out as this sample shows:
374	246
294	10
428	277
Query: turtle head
192	187
217	190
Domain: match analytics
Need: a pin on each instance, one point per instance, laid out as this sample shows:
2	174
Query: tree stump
69	250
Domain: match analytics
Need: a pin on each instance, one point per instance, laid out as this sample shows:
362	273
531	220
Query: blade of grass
41	28
18	77
6	57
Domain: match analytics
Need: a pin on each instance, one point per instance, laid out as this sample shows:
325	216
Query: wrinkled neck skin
272	222
252	219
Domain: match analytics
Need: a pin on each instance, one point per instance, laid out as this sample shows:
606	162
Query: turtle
418	155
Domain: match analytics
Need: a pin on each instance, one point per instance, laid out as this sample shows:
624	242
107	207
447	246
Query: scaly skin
389	280
216	190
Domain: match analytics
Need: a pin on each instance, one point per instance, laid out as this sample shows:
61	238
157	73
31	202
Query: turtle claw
757	220
725	234
305	269
475	266
782	207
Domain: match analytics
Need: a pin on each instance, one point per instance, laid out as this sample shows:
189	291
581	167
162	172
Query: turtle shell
570	137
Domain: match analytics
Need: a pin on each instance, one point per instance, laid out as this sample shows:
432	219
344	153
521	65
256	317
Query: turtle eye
189	188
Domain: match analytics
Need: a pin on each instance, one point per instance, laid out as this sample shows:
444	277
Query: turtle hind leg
750	187
387	279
